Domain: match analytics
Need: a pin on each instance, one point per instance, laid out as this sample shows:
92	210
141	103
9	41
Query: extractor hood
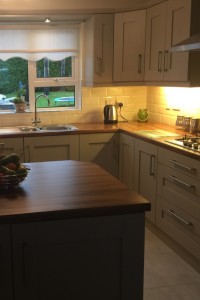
190	44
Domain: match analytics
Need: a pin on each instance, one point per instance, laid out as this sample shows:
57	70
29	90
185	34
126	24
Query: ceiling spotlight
47	20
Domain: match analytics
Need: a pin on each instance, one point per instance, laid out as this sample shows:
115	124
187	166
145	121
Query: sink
28	128
47	128
58	128
157	133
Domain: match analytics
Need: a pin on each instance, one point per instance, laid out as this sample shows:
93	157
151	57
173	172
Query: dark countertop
132	128
68	189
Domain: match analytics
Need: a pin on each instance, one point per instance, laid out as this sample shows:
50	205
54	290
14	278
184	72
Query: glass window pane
48	69
13	76
61	96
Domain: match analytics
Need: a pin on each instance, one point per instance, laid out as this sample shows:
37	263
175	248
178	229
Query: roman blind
35	44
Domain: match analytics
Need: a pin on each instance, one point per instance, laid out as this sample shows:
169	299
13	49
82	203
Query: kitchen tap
36	120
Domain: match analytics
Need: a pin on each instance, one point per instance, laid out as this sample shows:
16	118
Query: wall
93	101
165	103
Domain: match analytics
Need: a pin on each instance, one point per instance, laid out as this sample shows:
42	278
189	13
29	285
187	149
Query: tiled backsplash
163	104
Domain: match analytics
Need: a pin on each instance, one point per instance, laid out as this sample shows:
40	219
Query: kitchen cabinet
102	149
6	287
167	24
126	160
178	205
12	145
98	50
84	258
49	148
145	174
129	46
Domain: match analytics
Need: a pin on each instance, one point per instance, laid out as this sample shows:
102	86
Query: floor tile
166	275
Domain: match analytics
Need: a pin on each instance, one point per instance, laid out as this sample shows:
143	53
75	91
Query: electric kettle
110	114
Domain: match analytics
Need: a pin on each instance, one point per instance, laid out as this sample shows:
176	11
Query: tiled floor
166	275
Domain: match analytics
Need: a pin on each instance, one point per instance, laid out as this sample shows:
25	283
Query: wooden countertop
132	128
68	189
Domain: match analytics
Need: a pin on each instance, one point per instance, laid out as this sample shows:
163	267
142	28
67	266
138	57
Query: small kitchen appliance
110	114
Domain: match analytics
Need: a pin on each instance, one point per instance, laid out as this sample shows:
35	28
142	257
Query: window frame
74	80
34	81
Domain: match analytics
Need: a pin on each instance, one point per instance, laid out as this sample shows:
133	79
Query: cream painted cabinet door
50	148
102	149
155	42
126	160
98	49
129	46
177	29
145	167
12	145
167	24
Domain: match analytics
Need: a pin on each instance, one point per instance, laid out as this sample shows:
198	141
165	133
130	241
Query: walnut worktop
68	189
132	128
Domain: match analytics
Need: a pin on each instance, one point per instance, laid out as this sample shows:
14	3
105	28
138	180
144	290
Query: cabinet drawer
179	225
182	190
179	162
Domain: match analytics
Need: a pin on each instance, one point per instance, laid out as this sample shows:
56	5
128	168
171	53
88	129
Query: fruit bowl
12	181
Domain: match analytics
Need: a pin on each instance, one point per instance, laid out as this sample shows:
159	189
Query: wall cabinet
6	285
178	205
167	24
98	50
49	148
102	149
129	46
12	145
126	160
145	174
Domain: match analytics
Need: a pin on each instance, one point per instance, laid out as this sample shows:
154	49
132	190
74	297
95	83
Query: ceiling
72	13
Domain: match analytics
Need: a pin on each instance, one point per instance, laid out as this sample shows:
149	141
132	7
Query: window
53	71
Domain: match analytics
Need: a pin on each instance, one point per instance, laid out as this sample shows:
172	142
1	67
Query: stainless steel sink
48	128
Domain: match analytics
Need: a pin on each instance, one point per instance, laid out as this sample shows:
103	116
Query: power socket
120	104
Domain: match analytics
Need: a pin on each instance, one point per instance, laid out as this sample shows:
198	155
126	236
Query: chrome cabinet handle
139	63
182	166
180	182
171	212
99	62
166	60
160	61
24	264
152	165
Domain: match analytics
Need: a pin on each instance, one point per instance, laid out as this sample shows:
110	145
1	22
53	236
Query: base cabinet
145	177
178	204
92	258
6	285
102	149
50	148
12	145
126	160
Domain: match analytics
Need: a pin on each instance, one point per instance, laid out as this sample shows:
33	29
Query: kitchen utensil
186	123
179	122
194	125
142	115
110	114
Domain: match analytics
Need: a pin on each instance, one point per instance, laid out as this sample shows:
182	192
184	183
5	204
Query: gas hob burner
189	142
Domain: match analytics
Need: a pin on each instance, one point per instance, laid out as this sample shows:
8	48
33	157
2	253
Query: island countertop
68	189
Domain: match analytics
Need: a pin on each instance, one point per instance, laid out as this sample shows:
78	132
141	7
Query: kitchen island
71	230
